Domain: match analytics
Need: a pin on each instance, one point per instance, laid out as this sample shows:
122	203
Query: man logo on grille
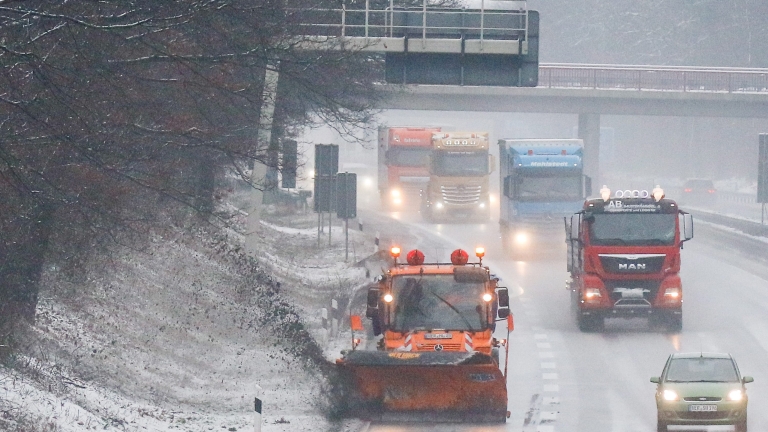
438	347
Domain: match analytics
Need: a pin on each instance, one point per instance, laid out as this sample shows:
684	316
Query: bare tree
115	113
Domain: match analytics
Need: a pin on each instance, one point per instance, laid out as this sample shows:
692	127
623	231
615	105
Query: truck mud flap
426	385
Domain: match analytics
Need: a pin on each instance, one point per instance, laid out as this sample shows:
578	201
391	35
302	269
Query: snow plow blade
429	386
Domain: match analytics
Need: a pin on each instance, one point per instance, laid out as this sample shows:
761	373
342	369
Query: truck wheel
675	323
590	323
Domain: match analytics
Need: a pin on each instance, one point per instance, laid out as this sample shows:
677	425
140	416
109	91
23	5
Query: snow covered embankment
177	338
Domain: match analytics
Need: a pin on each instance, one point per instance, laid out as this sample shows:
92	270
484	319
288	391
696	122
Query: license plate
704	408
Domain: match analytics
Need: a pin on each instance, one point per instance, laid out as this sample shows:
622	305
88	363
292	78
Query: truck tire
590	323
672	322
675	323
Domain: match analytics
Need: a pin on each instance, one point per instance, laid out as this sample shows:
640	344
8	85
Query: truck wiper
466	321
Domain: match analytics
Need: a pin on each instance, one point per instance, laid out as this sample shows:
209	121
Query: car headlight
735	395
670	395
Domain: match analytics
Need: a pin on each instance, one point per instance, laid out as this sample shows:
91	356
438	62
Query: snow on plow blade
446	386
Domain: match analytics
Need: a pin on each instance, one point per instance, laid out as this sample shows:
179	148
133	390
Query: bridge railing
411	22
661	78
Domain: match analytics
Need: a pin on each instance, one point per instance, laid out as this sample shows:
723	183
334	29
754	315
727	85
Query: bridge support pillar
589	131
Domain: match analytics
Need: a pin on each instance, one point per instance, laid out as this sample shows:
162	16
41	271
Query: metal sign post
762	176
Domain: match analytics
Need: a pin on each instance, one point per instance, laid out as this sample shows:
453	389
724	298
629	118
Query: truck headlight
439	205
482	205
395	193
522	239
672	294
592	294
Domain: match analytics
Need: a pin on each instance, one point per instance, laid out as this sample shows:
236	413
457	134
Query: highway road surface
561	379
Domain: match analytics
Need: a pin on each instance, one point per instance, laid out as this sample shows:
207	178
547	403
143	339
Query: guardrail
653	78
417	22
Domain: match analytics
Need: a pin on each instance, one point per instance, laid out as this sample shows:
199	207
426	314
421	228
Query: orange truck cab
624	258
437	352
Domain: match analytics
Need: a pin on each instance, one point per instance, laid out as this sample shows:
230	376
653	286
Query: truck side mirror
503	298
587	186
372	303
687	220
574	227
491	163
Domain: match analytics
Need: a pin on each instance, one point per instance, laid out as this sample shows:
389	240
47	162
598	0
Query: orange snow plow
437	358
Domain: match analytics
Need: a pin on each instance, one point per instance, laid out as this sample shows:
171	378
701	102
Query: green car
701	389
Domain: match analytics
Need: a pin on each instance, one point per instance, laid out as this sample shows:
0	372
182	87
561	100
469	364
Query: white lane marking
548	365
552	388
544	345
550	400
546	354
547	416
540	336
549	376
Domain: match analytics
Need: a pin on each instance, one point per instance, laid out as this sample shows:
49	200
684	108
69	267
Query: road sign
290	159
346	195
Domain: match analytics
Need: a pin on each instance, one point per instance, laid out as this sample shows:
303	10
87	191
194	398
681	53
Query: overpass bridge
593	90
487	60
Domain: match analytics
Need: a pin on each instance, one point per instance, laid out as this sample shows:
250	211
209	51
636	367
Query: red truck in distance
624	258
403	154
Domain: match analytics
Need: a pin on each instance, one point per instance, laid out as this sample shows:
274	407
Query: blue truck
542	180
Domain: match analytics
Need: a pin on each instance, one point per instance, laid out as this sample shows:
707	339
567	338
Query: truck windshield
701	369
410	157
549	188
637	229
469	164
427	302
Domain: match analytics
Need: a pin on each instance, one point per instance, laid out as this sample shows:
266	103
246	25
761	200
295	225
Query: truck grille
461	194
632	264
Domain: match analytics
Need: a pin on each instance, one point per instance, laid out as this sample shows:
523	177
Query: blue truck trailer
542	180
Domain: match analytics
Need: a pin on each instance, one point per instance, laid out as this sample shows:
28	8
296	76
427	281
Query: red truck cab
624	258
403	157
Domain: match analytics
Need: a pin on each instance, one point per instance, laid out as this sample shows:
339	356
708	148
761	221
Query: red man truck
403	157
624	258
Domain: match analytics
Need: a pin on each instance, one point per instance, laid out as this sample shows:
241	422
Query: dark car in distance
698	192
701	389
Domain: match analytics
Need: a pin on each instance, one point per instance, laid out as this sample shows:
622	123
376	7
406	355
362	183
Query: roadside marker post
324	314
334	318
257	406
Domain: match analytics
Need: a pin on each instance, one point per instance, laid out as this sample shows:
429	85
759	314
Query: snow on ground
176	337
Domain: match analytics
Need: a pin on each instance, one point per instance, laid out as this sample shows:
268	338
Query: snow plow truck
437	357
